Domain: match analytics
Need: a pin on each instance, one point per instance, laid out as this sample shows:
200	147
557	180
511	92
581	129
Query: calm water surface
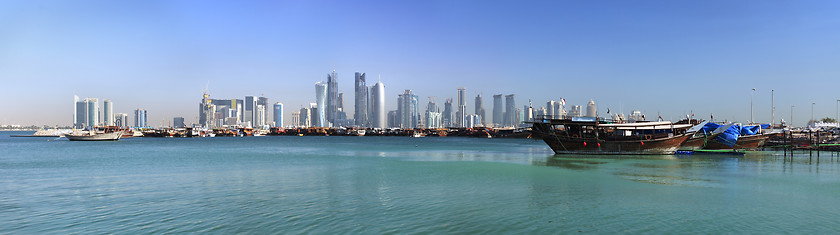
375	185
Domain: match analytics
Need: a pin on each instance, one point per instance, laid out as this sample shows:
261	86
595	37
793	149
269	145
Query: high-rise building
248	116
321	99
360	110
378	97
407	110
314	111
392	119
340	119
259	117
278	114
305	117
555	109
266	105
431	110
590	109
75	111
575	111
479	109
79	113
446	115
92	111
296	119
510	111
108	117
636	115
140	118
331	98
528	113
461	114
473	120
178	122
498	110
433	119
121	119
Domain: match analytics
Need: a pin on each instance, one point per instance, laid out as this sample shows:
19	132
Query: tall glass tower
331	98
108	117
498	110
378	97
479	109
321	99
278	114
92	111
360	113
510	111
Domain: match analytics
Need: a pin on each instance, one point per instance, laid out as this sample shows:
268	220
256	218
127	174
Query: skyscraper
296	119
278	114
407	110
528	113
590	109
121	119
392	119
266	117
498	110
432	113
305	117
331	98
248	116
575	111
321	99
446	115
75	111
461	114
313	112
378	97
108	117
555	109
479	109
92	111
510	111
360	113
140	118
178	122
80	113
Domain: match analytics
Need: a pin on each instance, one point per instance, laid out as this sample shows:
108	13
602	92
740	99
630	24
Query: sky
670	58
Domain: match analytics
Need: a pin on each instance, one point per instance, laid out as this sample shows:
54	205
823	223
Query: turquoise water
376	185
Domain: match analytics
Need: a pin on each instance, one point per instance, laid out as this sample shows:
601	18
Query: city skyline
647	56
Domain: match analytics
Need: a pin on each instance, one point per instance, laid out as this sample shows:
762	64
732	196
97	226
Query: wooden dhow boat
740	137
580	135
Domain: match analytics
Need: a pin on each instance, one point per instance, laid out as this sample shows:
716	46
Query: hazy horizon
665	57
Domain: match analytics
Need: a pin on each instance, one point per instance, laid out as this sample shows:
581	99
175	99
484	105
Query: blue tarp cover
730	136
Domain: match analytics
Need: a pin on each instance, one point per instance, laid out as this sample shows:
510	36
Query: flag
712	116
563	101
608	110
660	117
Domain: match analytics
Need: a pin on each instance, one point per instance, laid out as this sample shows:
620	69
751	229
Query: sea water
397	185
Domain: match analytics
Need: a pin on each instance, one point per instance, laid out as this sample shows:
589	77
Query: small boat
741	137
93	136
589	135
703	133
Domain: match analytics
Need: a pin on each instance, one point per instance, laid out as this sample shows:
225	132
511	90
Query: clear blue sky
668	57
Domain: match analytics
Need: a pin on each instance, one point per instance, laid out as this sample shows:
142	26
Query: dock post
811	143
818	146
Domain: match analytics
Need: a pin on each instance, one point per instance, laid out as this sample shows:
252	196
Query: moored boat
93	136
592	136
740	137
